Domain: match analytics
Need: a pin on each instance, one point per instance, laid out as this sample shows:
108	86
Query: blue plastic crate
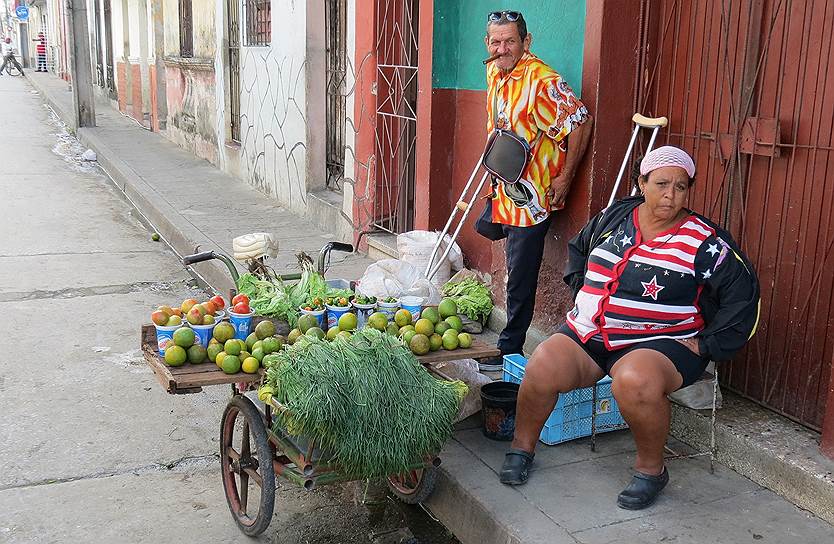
571	418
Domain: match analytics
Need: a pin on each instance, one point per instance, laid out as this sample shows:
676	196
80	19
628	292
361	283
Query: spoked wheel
414	486
246	465
13	70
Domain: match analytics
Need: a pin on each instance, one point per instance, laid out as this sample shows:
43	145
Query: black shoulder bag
506	157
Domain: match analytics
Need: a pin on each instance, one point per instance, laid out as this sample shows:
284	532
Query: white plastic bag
396	278
415	247
698	396
466	370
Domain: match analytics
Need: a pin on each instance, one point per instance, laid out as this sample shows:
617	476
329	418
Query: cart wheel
414	486
246	465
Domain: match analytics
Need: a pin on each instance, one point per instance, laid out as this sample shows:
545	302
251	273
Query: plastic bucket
163	334
242	324
413	305
318	314
334	313
498	400
363	311
388	308
202	333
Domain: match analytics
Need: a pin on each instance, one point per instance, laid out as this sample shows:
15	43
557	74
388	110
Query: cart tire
258	459
415	486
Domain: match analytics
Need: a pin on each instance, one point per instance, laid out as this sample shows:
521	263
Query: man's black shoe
492	364
643	490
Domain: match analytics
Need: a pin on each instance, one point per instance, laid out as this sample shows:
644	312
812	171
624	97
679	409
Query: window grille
186	29
258	15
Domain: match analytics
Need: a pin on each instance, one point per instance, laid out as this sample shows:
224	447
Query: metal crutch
654	123
464	205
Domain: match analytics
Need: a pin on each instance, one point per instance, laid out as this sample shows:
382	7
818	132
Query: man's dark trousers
525	248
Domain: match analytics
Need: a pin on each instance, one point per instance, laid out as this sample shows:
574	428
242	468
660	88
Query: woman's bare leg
641	381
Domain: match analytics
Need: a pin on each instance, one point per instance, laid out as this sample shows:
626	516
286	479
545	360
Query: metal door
396	127
748	86
233	50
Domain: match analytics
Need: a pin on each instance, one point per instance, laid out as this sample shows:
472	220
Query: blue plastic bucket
163	334
333	315
318	314
388	308
363	312
202	333
242	324
413	305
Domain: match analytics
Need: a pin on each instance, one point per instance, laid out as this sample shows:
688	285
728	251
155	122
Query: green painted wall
557	26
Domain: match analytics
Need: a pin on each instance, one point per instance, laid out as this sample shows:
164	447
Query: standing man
529	98
40	49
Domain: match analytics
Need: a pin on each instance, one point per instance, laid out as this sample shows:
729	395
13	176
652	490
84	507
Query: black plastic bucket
498	400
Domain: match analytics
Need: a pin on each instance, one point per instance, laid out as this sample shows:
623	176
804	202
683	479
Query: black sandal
643	490
516	468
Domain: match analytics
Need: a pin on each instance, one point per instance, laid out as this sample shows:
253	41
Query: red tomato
241	308
240	298
218	302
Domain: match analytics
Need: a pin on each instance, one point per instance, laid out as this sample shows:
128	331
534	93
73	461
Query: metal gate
396	127
101	79
233	50
336	24
748	86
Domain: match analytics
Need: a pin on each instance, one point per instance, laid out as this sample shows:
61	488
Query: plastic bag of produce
396	278
466	370
415	247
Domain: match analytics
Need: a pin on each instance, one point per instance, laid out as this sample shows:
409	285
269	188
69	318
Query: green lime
315	331
184	337
232	347
258	353
250	341
265	328
231	364
436	341
175	356
442	327
250	365
455	322
431	314
347	322
465	340
419	344
197	354
447	307
213	351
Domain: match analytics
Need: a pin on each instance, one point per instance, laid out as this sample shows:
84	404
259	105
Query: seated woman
659	292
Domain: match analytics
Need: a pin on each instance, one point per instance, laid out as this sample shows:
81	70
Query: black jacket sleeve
597	229
730	299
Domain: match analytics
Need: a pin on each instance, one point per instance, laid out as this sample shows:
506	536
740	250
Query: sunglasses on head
511	16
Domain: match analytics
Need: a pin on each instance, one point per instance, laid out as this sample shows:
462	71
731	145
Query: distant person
41	51
8	57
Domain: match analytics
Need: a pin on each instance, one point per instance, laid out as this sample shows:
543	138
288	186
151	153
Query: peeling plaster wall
191	83
273	109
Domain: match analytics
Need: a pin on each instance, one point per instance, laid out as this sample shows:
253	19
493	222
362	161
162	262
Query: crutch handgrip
649	122
461	205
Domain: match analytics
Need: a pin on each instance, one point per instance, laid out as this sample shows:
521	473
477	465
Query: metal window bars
258	16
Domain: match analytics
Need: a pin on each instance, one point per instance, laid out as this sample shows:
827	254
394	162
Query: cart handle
209	255
324	253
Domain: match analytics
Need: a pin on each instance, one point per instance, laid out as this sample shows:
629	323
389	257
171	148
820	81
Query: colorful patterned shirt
531	100
637	290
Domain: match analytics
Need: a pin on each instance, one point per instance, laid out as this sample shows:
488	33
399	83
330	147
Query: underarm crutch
464	205
654	123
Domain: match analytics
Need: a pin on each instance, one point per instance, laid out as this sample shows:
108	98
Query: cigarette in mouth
492	58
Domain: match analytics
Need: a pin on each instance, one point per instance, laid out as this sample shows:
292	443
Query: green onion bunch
366	399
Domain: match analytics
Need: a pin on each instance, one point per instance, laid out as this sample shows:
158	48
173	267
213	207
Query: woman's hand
692	344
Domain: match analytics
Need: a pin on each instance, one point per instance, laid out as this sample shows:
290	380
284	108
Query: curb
180	235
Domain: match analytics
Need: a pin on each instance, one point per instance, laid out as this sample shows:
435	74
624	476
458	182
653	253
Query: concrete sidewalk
571	495
188	201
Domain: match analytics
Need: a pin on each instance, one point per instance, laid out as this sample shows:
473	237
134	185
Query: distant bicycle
10	65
